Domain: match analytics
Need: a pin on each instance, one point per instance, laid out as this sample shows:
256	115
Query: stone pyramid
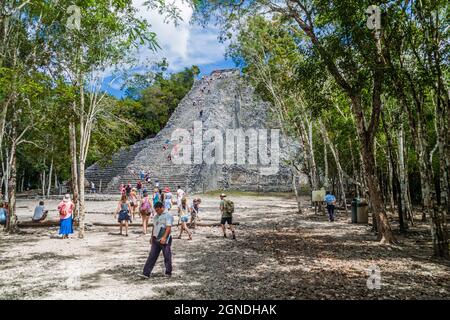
221	102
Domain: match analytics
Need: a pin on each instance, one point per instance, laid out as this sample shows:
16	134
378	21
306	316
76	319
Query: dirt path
278	254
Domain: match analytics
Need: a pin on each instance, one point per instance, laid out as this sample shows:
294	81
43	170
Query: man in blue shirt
3	214
39	212
331	204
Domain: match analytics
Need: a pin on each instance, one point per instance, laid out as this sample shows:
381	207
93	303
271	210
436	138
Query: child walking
185	212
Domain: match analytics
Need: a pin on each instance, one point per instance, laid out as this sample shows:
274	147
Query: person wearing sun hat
167	199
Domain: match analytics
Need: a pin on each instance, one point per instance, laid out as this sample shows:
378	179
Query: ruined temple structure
221	101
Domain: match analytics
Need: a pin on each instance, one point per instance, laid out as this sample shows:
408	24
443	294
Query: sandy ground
279	254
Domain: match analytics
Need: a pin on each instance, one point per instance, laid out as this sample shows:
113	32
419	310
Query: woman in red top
65	209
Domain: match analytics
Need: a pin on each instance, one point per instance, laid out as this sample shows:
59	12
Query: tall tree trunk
3	120
43	184
74	166
314	172
404	180
366	138
390	185
22	182
355	174
326	183
11	220
50	178
6	172
395	182
81	227
297	194
84	145
335	154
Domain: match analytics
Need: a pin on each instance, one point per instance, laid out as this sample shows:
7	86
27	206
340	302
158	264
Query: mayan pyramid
221	101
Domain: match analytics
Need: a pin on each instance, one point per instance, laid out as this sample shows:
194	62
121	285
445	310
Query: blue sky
183	45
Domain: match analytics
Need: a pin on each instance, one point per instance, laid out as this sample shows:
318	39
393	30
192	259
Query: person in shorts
227	216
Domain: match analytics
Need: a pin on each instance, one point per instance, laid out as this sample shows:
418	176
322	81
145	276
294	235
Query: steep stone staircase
102	175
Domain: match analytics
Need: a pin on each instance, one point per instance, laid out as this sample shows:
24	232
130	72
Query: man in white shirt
180	195
161	241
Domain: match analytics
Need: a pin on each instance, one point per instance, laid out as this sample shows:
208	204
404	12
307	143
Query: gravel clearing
278	254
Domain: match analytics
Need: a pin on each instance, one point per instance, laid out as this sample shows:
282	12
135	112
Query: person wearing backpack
227	210
195	209
146	211
330	199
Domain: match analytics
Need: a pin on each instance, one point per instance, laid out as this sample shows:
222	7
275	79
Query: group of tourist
133	203
156	207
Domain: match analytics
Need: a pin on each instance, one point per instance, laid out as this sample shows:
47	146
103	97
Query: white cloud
183	45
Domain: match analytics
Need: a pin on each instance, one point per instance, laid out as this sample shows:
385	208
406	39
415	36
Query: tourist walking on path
180	195
128	189
123	209
227	210
161	196
331	205
139	188
65	209
156	196
194	211
133	201
146	210
40	214
161	241
167	199
185	214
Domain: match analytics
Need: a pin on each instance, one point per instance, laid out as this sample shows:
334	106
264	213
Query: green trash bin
355	203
